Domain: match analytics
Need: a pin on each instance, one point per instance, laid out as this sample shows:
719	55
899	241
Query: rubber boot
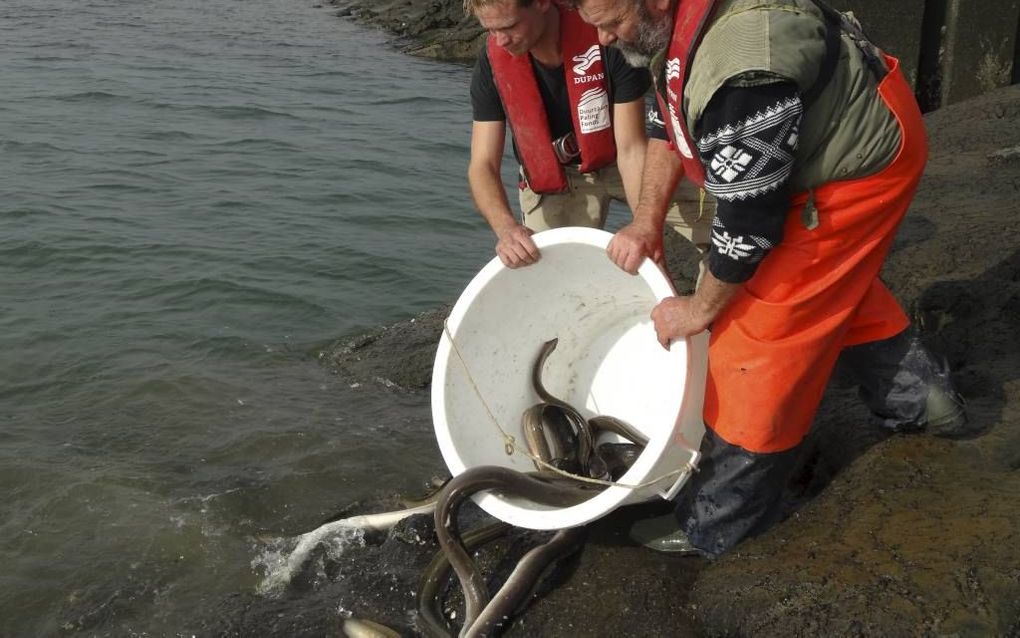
945	412
734	494
905	386
663	534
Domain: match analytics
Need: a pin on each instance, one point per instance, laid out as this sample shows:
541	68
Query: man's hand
516	248
676	318
632	243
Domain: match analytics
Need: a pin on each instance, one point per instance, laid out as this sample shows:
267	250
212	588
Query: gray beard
653	36
633	57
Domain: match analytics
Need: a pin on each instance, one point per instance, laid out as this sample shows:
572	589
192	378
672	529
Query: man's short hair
470	6
574	4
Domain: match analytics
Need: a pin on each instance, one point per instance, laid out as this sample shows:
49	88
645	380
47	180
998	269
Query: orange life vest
688	29
590	109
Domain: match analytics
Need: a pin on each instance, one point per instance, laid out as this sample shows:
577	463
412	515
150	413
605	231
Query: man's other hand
516	248
676	318
632	243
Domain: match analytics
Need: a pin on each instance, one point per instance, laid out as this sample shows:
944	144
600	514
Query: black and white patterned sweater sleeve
747	138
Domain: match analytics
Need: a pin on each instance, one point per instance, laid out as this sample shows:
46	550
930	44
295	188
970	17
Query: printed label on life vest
593	111
678	135
672	69
586	59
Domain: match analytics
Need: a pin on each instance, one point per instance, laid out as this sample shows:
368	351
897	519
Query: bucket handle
682	477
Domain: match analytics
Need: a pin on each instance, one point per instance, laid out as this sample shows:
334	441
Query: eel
521	584
590	462
506	481
432	621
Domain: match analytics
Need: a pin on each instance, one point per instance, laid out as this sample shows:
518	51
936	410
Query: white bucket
607	361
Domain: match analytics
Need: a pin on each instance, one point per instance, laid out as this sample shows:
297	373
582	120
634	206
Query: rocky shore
427	28
886	535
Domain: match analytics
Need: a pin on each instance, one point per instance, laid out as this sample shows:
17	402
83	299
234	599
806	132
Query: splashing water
337	536
284	558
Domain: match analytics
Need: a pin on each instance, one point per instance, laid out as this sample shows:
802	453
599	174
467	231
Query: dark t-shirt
626	84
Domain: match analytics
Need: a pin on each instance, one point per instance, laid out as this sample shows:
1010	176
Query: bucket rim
607	500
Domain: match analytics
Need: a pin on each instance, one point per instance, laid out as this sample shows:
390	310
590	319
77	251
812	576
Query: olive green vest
846	133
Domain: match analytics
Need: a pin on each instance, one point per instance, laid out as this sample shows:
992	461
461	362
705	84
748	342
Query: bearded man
577	114
813	145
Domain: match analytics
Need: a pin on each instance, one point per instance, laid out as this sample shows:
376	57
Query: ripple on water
193	192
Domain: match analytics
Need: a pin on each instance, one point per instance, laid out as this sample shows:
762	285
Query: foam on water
334	536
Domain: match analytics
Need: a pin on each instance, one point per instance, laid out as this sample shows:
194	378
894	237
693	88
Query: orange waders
773	348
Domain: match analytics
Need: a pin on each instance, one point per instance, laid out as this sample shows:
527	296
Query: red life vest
688	29
587	90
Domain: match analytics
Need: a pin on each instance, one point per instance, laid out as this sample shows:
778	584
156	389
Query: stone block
978	48
893	26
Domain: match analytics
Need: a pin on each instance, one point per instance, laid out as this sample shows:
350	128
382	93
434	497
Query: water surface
197	196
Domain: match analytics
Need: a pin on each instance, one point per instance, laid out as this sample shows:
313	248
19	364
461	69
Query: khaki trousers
587	204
